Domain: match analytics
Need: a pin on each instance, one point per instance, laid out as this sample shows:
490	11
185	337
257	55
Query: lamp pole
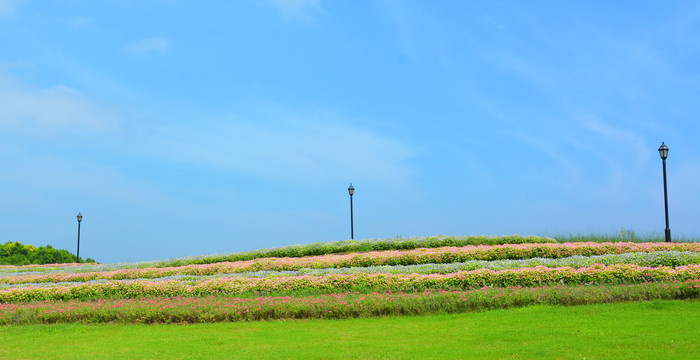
663	151
80	218
351	191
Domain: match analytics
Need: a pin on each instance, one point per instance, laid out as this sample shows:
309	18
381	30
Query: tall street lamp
663	151
351	191
80	218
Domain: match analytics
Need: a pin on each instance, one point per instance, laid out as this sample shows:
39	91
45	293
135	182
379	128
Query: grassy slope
658	329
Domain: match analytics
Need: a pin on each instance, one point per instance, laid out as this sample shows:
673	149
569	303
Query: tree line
15	253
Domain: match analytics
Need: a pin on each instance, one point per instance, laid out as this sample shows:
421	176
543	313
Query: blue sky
183	128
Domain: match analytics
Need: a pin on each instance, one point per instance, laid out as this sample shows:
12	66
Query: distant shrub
15	253
624	235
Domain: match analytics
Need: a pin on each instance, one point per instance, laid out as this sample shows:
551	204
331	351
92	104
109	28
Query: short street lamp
351	191
80	218
663	151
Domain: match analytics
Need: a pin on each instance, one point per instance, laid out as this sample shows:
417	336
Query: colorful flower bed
429	280
626	273
649	259
333	305
345	246
443	255
356	246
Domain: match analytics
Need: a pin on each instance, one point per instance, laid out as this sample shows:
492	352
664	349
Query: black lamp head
663	150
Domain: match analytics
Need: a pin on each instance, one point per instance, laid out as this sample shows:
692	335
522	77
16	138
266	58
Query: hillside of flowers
413	276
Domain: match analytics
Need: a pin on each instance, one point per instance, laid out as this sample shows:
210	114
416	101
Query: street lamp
80	218
351	191
663	151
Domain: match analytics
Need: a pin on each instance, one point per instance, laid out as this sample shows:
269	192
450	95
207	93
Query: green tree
15	253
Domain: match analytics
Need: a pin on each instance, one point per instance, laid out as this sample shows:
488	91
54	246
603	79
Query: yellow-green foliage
15	253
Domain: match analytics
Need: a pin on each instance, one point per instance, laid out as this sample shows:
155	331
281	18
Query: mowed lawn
646	330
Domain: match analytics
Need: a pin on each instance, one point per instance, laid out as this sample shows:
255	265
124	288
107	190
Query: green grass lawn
646	330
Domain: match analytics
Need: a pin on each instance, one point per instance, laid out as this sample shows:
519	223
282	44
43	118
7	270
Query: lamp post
80	218
663	151
351	191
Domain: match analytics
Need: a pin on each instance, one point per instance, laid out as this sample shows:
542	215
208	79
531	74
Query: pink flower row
373	258
263	301
334	305
358	281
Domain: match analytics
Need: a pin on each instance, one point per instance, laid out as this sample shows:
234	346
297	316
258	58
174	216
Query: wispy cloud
305	150
296	8
620	138
79	22
553	151
37	110
47	171
147	46
8	66
8	7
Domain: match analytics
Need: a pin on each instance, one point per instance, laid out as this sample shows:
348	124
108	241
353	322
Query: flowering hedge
435	278
323	248
357	281
347	246
441	255
334	305
649	259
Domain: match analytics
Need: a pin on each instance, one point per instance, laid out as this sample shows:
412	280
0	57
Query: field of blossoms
413	276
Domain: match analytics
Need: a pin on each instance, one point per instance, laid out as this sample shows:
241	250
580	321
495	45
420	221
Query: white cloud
52	108
8	7
80	22
565	161
296	8
307	151
58	107
61	174
6	66
626	140
147	46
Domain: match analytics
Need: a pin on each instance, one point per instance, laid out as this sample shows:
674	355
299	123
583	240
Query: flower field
405	277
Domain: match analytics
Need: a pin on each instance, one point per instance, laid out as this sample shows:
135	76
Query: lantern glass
663	151
351	190
80	217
